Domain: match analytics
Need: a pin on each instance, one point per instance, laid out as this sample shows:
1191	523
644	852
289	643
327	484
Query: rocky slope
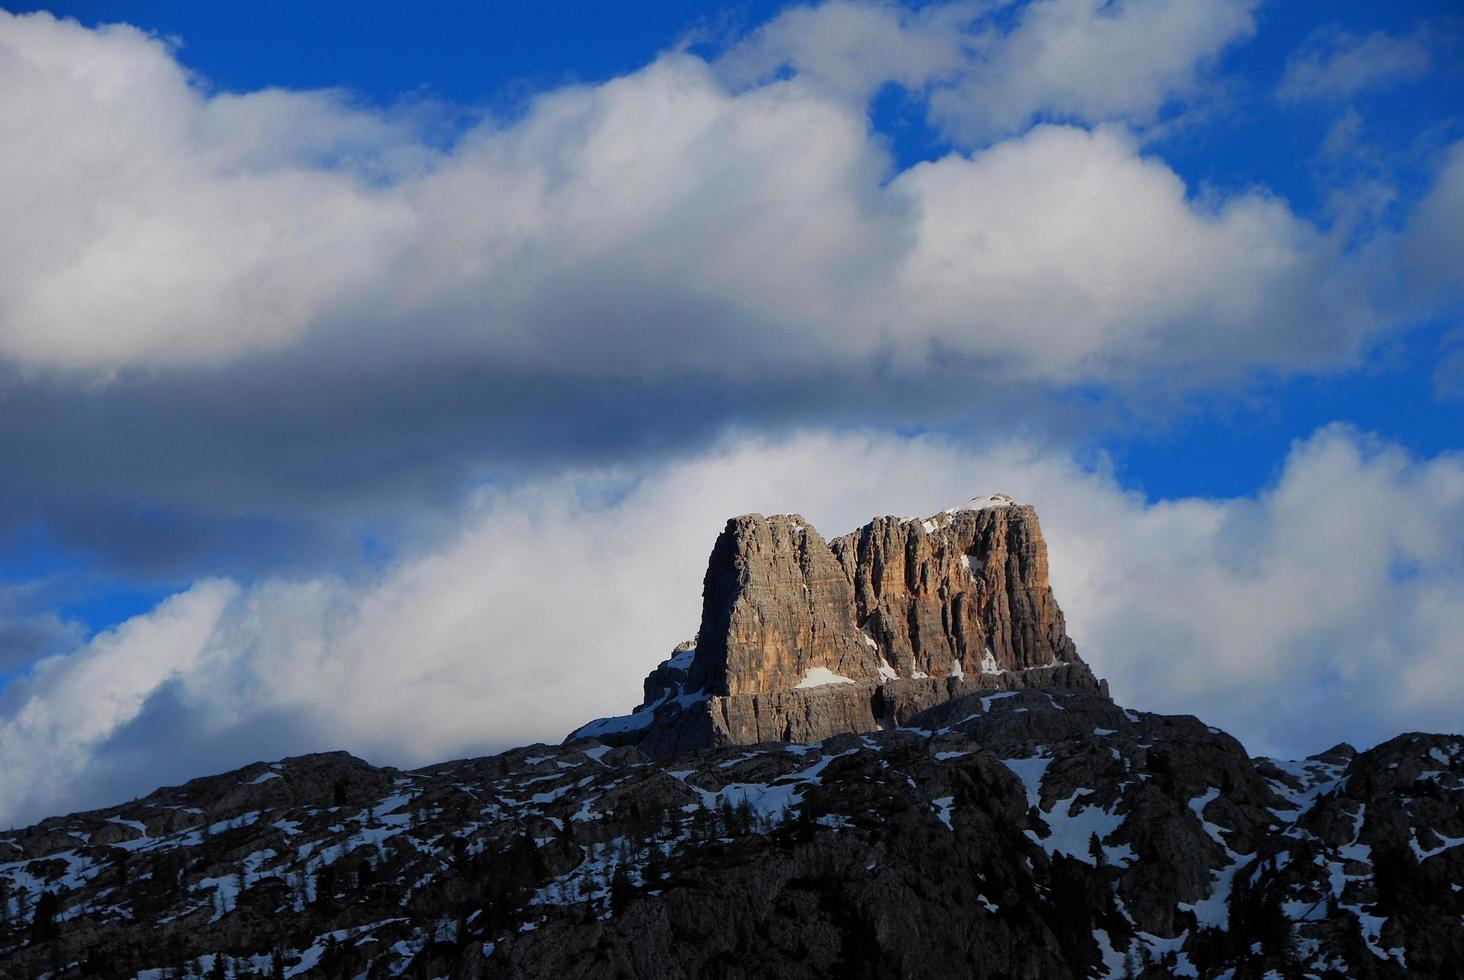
983	820
1007	834
802	639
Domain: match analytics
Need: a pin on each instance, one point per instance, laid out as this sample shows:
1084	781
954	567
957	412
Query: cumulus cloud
853	49
146	223
155	224
1072	235
1326	607
1335	63
991	69
1090	61
245	323
67	704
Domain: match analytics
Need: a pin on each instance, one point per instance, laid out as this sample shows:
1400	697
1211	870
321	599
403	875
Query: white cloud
52	721
852	49
154	224
1073	237
990	69
145	223
1337	64
1091	61
1328	607
1433	240
615	215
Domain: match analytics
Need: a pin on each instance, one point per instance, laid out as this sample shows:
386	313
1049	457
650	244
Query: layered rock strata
803	638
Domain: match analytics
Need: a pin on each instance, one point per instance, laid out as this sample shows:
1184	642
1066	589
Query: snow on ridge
821	677
986	503
615	725
989	502
682	660
638	719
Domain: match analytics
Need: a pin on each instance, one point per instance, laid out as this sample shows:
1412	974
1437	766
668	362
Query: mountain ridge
969	824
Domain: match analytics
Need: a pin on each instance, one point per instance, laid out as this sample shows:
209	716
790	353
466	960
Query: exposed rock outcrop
777	607
967	587
803	638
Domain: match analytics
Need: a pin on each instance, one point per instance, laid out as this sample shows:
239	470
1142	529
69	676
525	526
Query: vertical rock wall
801	638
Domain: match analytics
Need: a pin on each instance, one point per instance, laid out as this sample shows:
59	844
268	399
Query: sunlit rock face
803	638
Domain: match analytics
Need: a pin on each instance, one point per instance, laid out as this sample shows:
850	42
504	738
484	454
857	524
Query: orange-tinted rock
776	604
802	639
951	589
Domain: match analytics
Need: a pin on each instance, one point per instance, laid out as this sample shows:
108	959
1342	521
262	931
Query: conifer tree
43	926
621	890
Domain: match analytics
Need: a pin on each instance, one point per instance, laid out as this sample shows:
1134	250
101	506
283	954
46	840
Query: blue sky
304	302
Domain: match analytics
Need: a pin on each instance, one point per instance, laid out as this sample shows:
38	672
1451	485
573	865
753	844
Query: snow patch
943	810
682	661
822	676
1213	911
985	503
1423	853
1030	772
1198	805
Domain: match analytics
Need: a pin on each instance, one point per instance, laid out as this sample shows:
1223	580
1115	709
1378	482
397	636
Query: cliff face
802	638
776	605
963	592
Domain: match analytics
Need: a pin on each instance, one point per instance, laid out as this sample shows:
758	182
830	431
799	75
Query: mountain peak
984	502
803	638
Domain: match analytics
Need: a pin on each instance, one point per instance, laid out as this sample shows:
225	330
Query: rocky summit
881	758
803	638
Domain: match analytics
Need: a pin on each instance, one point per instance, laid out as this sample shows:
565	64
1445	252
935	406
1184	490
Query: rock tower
803	638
